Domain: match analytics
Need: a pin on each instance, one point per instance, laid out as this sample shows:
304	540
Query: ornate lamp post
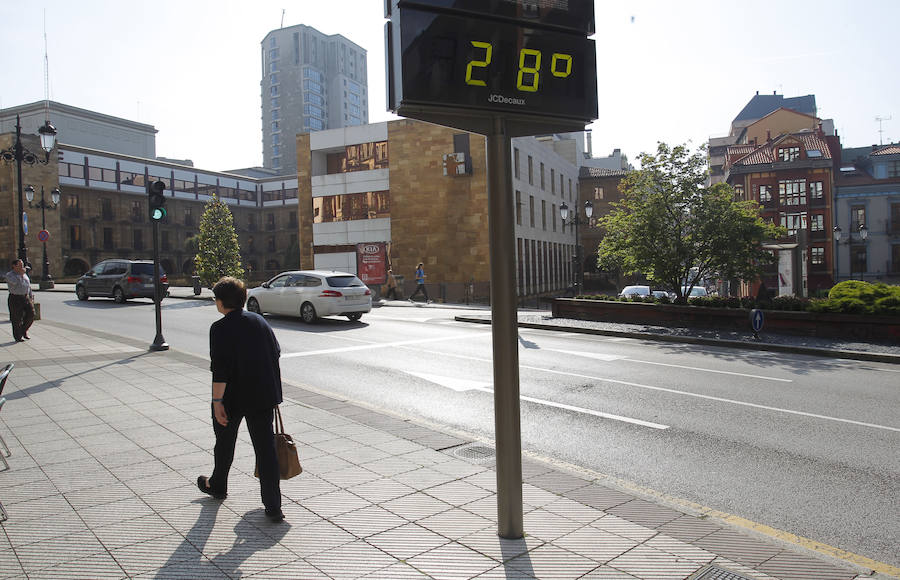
20	154
46	278
863	234
576	220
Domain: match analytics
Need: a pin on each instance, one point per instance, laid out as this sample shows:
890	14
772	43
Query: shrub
794	303
889	305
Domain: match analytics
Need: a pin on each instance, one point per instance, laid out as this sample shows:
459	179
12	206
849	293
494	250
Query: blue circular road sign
757	319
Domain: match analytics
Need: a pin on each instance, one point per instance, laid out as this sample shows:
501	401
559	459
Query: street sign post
504	69
43	235
757	318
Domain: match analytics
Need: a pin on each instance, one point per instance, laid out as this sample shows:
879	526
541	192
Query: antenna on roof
46	73
282	18
880	130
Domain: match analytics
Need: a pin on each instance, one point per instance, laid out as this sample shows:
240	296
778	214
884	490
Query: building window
531	209
570	190
137	211
274	102
273	78
793	222
352	206
75	237
817	256
894	226
273	90
817	222
788	153
816	190
598	193
552	181
106	211
895	259
858	259
72	207
544	214
894	169
739	191
792	192
518	207
516	161
271	244
530	171
553	216
542	177
188	216
270	222
765	193
108	239
138	239
857	217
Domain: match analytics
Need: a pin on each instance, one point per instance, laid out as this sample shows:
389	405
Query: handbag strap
279	422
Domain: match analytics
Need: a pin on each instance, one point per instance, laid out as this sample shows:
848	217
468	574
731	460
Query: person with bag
246	384
391	285
420	283
20	300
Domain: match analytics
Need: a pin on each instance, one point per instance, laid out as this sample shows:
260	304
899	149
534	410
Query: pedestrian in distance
420	283
20	301
391	286
246	384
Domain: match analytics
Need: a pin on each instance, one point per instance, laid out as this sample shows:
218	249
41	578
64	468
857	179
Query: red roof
892	149
768	152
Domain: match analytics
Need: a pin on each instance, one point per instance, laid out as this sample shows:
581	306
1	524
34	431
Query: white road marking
684	393
461	385
609	357
373	345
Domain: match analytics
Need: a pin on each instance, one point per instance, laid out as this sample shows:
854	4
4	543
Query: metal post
46	279
159	343
508	433
19	155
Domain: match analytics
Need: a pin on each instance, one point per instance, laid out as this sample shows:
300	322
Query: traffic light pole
159	343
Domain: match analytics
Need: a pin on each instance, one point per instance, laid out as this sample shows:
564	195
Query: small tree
218	253
676	231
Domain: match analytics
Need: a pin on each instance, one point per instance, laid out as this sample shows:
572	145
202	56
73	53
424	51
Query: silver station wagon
311	294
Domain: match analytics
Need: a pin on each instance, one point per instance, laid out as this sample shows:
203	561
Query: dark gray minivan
120	280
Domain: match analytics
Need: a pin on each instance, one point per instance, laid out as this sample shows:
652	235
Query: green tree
218	253
676	231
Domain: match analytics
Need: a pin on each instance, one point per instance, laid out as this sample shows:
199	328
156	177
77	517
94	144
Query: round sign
756	319
43	235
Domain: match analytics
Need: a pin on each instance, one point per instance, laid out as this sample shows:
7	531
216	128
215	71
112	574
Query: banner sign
371	262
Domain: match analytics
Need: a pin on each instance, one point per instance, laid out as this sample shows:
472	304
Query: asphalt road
802	444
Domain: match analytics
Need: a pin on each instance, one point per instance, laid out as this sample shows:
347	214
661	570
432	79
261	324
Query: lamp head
564	211
48	136
863	231
837	233
54	196
588	209
29	193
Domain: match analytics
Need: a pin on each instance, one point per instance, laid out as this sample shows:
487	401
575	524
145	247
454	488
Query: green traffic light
158	213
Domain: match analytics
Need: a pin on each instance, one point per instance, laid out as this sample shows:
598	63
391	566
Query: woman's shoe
275	515
203	485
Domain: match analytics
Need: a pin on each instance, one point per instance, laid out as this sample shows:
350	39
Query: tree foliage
218	253
676	231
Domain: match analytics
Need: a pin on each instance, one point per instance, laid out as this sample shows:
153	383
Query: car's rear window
343	281
145	270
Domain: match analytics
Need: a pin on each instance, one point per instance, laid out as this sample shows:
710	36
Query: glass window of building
531	208
792	192
817	256
788	153
816	190
518	207
765	193
542	178
552	181
544	214
530	171
516	162
858	259
817	222
273	79
857	217
273	90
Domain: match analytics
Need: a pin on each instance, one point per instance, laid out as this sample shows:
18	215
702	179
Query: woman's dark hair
231	291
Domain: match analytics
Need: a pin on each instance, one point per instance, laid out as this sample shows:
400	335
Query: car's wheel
253	306
355	316
81	293
118	295
308	313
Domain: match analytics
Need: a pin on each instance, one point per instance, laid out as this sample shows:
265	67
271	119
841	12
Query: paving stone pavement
107	440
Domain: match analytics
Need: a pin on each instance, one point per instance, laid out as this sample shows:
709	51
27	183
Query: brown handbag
285	450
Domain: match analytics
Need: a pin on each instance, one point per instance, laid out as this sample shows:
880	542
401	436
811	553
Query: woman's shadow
189	558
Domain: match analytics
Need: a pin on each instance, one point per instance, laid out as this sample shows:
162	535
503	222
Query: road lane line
462	385
685	393
608	357
372	345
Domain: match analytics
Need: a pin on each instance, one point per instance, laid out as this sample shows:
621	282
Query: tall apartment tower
310	82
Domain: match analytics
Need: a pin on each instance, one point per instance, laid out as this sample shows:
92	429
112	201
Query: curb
824	352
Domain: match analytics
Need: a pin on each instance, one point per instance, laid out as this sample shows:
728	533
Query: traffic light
157	200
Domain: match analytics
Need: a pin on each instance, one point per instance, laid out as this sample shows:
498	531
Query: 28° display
460	62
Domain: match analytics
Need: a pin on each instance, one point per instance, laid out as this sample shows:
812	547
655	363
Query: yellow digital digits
479	63
529	76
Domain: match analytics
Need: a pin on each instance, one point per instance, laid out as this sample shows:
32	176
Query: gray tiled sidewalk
107	441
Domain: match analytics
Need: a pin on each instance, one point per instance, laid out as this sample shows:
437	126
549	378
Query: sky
676	72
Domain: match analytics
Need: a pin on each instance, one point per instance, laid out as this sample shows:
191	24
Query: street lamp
576	221
46	278
863	235
20	154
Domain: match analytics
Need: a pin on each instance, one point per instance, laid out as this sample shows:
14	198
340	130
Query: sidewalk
108	439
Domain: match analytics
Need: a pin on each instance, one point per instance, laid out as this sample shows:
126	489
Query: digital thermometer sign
497	65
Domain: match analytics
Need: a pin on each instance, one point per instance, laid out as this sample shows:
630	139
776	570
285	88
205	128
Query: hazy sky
667	71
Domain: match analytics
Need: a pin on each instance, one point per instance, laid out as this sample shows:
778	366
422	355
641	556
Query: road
803	444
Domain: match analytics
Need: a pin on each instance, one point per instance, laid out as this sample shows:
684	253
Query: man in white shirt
20	301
